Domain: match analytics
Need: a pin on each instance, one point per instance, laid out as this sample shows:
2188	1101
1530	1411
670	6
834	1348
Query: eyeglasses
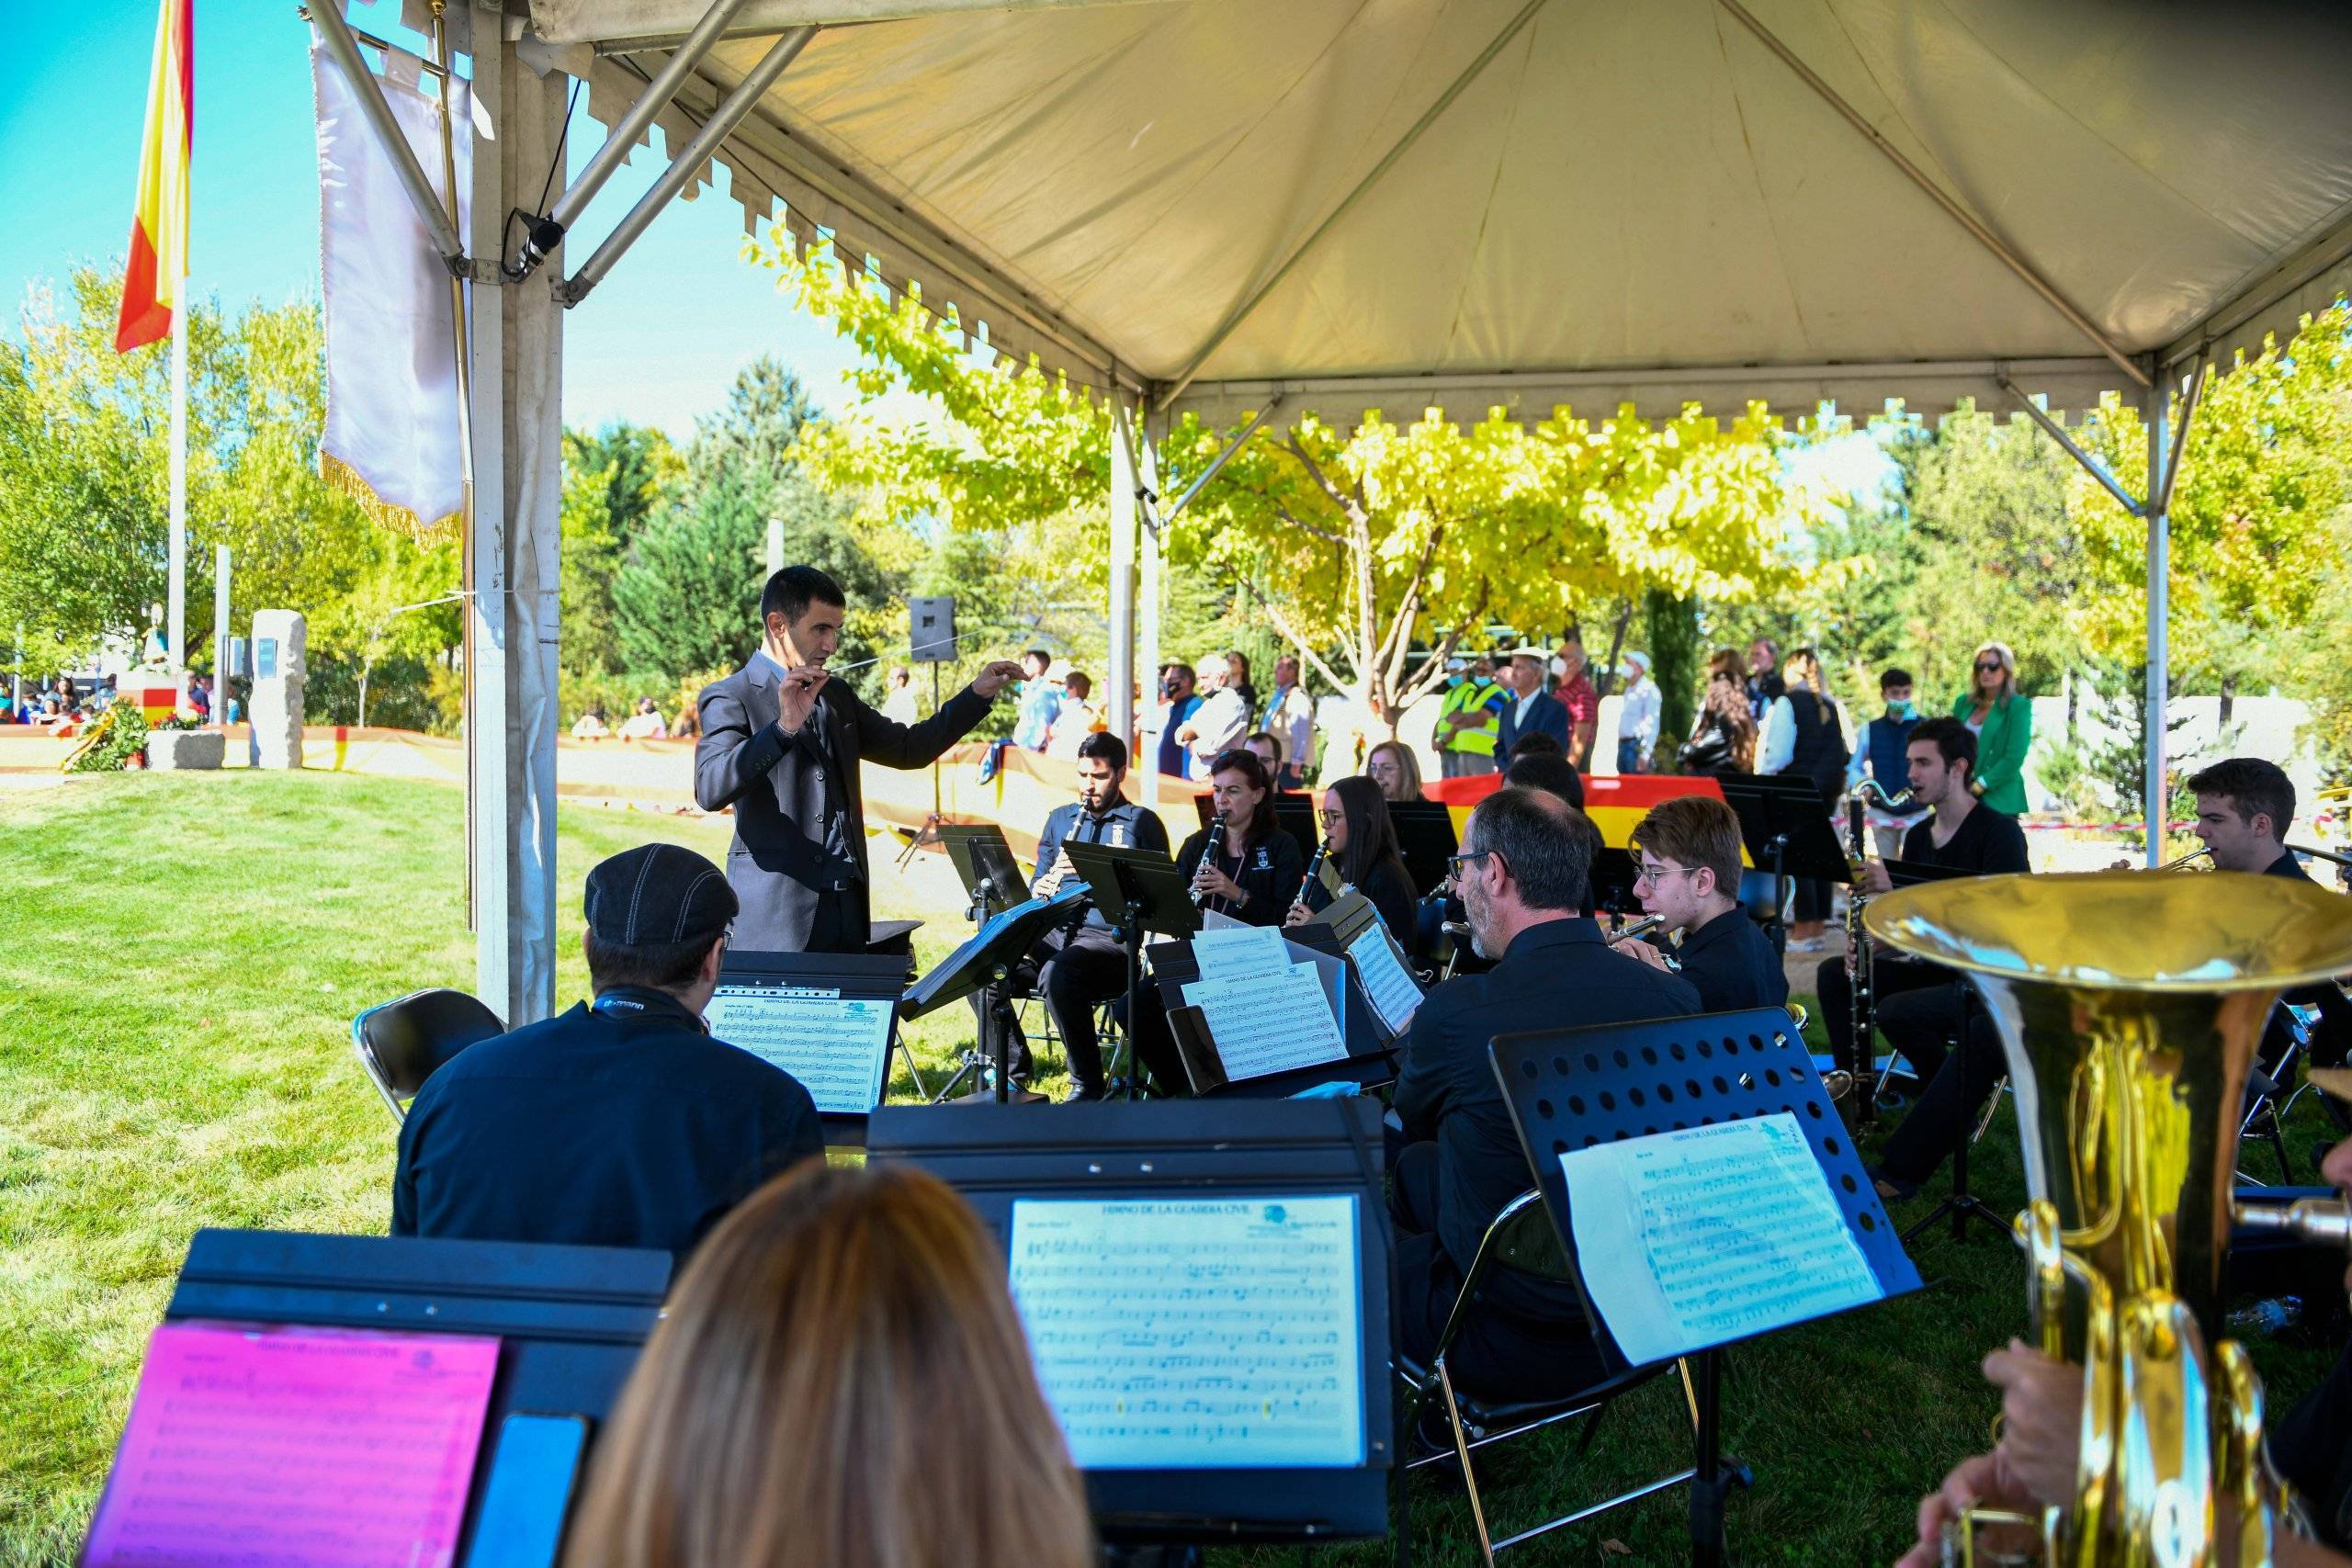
1454	863
1332	819
1647	875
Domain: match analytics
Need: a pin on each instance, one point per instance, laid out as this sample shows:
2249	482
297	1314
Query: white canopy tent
1224	206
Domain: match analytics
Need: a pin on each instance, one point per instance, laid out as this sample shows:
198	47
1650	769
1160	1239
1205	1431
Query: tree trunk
2229	704
1605	682
1673	629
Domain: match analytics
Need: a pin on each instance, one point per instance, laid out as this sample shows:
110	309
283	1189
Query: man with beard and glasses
1525	862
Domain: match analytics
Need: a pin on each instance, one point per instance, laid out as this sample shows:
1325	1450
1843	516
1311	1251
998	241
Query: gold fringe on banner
344	480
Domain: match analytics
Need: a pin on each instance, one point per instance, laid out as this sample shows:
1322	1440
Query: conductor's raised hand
995	677
796	696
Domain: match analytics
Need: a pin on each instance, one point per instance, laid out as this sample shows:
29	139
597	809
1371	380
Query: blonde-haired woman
2003	721
841	1379
1392	766
1802	739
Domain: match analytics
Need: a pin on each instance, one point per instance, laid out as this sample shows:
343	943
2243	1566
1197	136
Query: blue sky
658	343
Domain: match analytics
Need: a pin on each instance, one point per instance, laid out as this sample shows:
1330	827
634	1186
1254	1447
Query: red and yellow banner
150	288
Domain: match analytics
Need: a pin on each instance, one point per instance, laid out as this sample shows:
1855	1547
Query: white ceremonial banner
392	430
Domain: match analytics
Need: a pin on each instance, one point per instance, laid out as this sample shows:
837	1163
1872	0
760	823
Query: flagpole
464	350
175	615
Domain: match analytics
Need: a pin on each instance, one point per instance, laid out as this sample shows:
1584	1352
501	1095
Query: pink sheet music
286	1446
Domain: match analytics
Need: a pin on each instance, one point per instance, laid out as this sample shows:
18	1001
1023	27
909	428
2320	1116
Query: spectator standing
898	696
1076	718
1884	756
1803	739
1178	698
1216	726
1392	766
1765	684
1237	678
1469	719
1289	717
1637	716
2002	724
1041	701
1534	710
1575	693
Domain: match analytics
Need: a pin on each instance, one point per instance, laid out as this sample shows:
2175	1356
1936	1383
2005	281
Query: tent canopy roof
1395	203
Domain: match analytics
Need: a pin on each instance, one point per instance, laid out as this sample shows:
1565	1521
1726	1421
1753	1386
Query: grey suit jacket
779	788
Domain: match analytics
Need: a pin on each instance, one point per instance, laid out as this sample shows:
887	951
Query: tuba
2128	1009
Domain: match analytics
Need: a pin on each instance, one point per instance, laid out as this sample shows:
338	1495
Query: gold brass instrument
2129	1009
1863	1069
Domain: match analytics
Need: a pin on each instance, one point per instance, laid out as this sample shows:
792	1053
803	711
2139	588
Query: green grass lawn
184	954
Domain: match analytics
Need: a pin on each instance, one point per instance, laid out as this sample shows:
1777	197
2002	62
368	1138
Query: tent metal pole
2156	402
1120	702
621	139
327	18
2140	374
1219	461
1403	144
2180	437
723	120
2092	465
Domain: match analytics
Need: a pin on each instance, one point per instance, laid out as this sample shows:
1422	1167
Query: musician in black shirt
1686	852
1359	838
1922	1007
1256	872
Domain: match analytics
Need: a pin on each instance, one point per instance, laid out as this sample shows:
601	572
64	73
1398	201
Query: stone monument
275	707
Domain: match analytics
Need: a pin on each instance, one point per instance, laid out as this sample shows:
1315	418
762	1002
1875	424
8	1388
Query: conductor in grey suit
781	743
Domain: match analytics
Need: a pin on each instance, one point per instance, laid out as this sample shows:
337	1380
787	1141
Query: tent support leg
1118	697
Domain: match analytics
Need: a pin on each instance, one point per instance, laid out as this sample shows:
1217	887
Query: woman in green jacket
2004	725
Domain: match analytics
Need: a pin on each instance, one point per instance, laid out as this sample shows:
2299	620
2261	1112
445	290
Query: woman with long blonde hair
841	1379
2003	721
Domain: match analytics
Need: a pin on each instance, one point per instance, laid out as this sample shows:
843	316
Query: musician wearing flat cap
621	1122
780	744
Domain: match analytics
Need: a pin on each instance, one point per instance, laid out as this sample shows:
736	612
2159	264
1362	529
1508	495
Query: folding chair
1522	1237
400	1043
2267	1098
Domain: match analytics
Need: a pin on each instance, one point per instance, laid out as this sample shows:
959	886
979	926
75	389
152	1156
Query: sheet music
838	1047
1197	1333
1387	983
1269	1021
1231	952
270	1445
1693	1239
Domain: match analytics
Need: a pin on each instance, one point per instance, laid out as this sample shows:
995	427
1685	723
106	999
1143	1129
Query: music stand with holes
982	963
1368	1057
1571	1088
880	978
1135	891
1788	833
1613	883
991	877
1426	840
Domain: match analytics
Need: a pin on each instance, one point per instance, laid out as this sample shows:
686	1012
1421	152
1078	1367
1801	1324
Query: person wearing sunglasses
1522	873
2002	722
1360	839
1686	859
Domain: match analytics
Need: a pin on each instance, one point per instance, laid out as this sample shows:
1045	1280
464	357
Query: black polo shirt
624	1124
1730	961
1987	843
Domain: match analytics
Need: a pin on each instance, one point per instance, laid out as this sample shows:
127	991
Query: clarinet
1857	943
1314	870
1210	851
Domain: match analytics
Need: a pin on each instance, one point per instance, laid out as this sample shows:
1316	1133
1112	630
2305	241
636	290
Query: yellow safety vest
1474	740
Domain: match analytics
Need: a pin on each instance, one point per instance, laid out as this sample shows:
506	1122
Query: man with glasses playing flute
1685	857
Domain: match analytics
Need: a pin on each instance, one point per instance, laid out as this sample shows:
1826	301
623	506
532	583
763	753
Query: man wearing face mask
1469	718
1882	756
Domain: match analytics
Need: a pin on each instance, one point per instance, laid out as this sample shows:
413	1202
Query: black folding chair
1520	1237
400	1043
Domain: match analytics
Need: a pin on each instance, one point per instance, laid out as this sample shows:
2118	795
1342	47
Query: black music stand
1787	831
991	877
1426	840
1335	929
1613	870
1570	1088
983	963
1192	1151
569	1320
870	976
1137	891
1369	1060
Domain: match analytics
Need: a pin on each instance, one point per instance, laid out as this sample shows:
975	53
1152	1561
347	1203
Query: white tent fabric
1393	203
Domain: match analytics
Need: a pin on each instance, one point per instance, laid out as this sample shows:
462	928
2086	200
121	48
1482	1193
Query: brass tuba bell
2128	1009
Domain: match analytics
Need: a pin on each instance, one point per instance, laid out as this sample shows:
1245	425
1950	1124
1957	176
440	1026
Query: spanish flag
151	289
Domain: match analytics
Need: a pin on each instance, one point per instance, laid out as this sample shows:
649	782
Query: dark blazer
1556	975
1547	714
623	1125
1730	961
779	789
